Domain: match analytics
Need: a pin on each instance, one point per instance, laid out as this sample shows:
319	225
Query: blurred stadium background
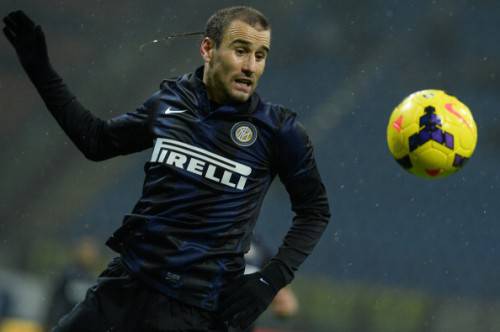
400	254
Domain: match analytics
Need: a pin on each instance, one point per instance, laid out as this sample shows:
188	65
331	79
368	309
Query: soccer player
216	149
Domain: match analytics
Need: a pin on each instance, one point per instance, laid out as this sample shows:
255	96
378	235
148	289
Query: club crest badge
244	133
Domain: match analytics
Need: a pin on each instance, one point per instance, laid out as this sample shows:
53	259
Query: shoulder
277	115
174	82
288	122
168	89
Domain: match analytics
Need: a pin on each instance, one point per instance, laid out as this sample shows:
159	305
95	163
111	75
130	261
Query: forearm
312	214
86	131
299	243
94	137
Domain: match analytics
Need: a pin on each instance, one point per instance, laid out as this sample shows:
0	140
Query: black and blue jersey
205	180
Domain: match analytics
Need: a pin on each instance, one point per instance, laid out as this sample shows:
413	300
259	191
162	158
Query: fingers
247	318
10	22
233	308
23	20
233	289
10	35
230	290
19	22
27	39
229	298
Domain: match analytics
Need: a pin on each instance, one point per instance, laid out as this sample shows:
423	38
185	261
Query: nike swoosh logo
171	111
449	108
264	281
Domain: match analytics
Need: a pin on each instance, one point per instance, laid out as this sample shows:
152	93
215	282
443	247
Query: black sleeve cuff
274	274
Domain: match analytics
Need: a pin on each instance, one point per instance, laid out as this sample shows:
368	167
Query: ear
207	48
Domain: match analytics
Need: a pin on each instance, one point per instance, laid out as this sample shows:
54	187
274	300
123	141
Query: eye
240	51
260	56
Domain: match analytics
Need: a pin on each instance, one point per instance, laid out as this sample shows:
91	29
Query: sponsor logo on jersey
244	133
201	162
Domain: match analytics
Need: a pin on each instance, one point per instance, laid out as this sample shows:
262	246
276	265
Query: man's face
232	70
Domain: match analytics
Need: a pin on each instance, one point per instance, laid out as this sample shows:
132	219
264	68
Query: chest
226	148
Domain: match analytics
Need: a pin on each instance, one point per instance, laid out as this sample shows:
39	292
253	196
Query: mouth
243	84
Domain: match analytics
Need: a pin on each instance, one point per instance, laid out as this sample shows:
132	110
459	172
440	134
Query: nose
249	65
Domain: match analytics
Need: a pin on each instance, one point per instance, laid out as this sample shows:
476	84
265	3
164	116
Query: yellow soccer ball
431	134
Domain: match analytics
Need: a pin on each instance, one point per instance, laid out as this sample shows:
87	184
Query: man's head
234	49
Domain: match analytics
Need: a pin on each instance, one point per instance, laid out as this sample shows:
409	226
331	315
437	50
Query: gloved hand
247	297
29	42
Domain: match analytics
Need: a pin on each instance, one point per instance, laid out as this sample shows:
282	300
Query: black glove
247	297
29	42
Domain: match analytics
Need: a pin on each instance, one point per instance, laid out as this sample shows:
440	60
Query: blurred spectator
8	323
70	287
5	304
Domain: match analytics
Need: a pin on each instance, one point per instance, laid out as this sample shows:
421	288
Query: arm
244	300
298	172
95	138
285	303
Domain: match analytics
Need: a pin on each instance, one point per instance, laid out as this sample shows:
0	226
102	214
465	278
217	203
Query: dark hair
221	19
